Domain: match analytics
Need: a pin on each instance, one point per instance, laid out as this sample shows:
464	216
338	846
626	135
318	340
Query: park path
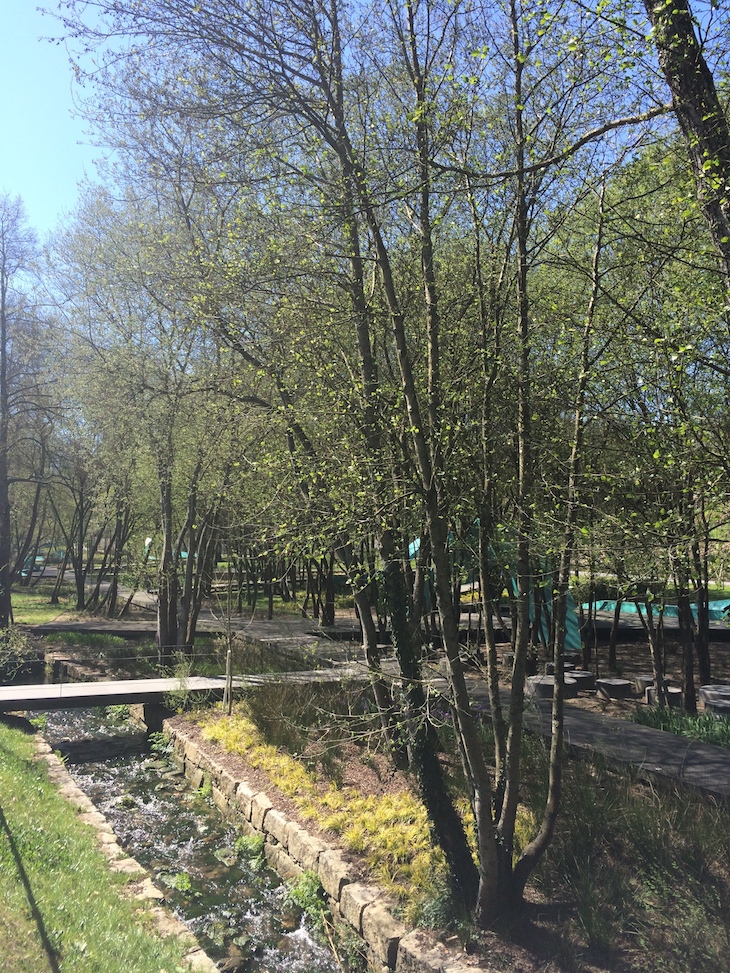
660	756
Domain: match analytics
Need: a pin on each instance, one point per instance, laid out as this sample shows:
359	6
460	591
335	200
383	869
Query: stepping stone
586	680
719	691
643	681
614	688
550	667
646	679
673	696
720	707
542	687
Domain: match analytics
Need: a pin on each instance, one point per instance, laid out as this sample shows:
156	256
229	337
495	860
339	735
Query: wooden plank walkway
79	695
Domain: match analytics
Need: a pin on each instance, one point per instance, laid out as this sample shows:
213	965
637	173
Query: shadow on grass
35	911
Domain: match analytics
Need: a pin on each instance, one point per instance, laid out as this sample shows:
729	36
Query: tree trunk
442	814
166	578
612	665
699	113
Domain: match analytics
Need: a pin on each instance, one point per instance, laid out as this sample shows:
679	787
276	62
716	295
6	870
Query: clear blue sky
40	158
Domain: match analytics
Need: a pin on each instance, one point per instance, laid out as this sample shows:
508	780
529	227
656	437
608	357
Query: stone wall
291	850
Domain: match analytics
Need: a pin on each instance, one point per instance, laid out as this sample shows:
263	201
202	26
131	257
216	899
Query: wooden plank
77	695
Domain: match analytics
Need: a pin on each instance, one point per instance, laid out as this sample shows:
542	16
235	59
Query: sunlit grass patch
95	640
702	726
32	606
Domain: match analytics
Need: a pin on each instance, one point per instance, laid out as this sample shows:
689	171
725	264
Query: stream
234	904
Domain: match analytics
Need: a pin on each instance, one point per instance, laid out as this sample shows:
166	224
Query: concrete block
614	688
718	691
585	680
674	697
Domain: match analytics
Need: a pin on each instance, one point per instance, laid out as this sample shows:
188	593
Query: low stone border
140	885
291	850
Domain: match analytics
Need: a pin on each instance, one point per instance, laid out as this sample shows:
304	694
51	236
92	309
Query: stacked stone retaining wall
291	850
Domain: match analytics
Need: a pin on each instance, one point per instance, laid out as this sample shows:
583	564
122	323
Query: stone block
206	764
542	687
276	824
674	697
244	797
192	754
283	864
720	707
179	743
382	933
220	800
127	866
355	896
260	804
584	679
613	688
195	776
717	691
303	847
642	681
420	952
333	873
228	784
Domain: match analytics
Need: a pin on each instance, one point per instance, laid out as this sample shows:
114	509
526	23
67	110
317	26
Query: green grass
92	640
32	606
705	726
62	908
390	832
641	876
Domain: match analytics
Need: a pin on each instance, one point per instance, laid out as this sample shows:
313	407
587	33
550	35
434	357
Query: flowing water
234	904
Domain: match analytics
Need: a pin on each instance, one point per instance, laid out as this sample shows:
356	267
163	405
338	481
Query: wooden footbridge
79	695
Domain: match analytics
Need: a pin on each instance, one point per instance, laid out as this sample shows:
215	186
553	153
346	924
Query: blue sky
40	158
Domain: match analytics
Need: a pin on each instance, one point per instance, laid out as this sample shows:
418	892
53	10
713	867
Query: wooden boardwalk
79	695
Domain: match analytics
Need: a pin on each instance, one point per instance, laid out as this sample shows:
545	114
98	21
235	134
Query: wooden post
228	695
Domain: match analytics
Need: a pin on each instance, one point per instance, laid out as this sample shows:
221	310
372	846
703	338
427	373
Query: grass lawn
32	606
61	906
